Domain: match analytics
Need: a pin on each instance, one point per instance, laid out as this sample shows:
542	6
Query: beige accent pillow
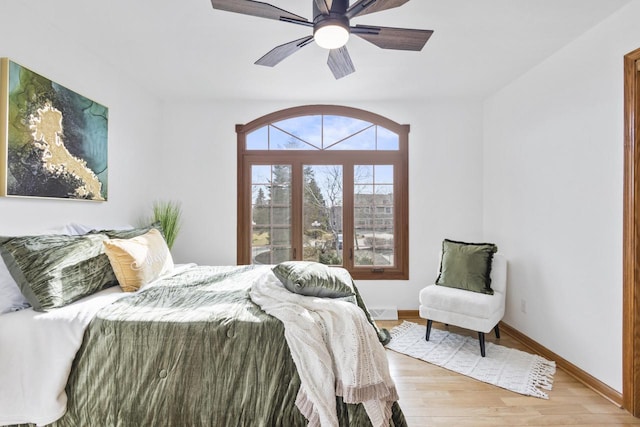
139	260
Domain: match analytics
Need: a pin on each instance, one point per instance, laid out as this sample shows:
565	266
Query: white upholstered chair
470	310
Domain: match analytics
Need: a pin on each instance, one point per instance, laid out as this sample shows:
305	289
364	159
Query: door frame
631	237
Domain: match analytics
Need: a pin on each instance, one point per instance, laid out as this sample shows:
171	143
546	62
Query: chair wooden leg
481	338
429	323
497	331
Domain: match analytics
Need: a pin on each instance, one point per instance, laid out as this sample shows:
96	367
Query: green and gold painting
53	141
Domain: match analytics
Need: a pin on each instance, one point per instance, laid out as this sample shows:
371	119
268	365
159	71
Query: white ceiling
184	49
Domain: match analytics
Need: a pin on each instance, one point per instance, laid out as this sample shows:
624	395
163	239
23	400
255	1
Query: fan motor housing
331	19
338	8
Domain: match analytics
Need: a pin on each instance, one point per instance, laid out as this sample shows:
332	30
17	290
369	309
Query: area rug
504	367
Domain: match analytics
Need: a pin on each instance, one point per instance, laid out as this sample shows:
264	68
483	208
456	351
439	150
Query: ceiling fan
331	29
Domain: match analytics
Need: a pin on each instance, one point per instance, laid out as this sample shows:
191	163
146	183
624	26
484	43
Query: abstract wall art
53	141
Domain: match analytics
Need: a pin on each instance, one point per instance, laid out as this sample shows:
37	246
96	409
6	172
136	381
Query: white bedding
36	354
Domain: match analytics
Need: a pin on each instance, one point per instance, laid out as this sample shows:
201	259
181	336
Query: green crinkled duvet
193	350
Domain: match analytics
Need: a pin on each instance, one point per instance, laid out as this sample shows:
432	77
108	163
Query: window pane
365	140
261	214
384	194
384	174
279	140
381	246
261	239
258	139
337	128
363	174
363	197
307	128
280	185
322	214
261	236
261	174
270	213
387	140
280	236
374	216
281	215
259	194
279	255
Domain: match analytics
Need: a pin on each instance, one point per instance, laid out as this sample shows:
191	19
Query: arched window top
323	127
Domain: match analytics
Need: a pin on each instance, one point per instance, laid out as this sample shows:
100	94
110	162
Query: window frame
348	158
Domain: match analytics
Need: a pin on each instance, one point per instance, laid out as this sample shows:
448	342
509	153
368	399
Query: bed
189	348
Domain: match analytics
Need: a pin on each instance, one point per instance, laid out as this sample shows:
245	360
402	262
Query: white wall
445	181
133	129
553	170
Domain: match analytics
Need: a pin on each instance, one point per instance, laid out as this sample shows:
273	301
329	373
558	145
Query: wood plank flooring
431	396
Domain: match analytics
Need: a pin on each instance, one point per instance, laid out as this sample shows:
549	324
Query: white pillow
11	299
76	229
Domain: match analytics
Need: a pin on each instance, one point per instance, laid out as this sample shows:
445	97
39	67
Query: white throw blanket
336	352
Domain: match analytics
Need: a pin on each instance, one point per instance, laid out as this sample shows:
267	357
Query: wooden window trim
247	158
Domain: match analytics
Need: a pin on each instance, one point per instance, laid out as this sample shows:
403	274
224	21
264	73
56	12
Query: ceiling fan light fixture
332	35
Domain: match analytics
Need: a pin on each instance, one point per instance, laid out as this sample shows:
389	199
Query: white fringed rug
504	367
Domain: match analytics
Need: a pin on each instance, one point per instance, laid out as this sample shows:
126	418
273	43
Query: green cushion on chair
466	266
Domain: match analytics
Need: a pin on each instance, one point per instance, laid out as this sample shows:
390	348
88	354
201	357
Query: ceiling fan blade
363	7
278	53
323	7
256	8
340	62
393	38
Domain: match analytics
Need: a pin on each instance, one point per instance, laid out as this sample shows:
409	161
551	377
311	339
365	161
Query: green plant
168	214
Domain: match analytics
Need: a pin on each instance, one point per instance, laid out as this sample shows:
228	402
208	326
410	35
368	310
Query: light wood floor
434	396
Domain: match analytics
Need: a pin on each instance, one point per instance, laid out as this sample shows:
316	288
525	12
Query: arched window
325	183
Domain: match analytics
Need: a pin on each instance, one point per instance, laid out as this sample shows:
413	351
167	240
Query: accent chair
466	309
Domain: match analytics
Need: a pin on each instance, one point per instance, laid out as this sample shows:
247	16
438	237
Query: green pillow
466	266
55	270
314	279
